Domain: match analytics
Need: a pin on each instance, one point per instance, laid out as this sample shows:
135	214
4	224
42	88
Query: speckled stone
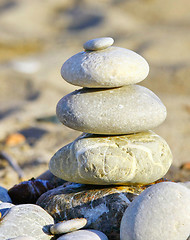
86	234
25	220
98	44
125	159
110	67
161	212
68	226
122	110
103	207
4	196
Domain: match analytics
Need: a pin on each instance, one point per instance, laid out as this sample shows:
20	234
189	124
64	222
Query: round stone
121	110
93	159
161	212
26	220
111	67
95	203
68	226
87	234
98	44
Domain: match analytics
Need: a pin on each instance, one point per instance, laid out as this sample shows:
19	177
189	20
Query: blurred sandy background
36	37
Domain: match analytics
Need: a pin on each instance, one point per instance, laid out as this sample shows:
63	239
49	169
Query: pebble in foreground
27	220
68	226
84	235
121	110
92	159
161	212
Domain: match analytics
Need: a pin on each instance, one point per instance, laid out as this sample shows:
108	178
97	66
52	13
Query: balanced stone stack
117	146
116	116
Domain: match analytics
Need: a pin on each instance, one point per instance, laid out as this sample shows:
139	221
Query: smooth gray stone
4	196
87	234
25	220
98	43
115	111
161	212
68	226
4	207
107	68
121	160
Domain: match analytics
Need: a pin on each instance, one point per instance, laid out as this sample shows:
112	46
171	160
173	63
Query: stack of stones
117	146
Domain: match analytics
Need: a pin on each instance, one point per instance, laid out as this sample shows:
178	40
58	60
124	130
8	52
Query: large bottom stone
103	207
127	159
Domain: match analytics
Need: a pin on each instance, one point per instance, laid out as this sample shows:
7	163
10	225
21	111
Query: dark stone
102	206
29	191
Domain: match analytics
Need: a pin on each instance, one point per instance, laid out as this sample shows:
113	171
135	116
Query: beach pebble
26	220
111	67
4	207
98	44
22	238
161	212
4	196
122	110
87	234
29	191
68	226
102	206
93	159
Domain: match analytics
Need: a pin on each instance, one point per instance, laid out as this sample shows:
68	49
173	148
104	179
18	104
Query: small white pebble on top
98	44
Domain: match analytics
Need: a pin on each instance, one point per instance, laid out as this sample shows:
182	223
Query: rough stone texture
84	234
98	43
160	212
25	220
4	196
111	111
95	203
68	226
111	67
4	207
93	159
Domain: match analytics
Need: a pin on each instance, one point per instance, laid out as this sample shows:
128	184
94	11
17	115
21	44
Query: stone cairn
118	154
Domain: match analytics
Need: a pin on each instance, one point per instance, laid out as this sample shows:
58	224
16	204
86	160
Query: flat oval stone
161	212
68	226
126	159
98	44
102	206
122	110
87	234
25	220
107	68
